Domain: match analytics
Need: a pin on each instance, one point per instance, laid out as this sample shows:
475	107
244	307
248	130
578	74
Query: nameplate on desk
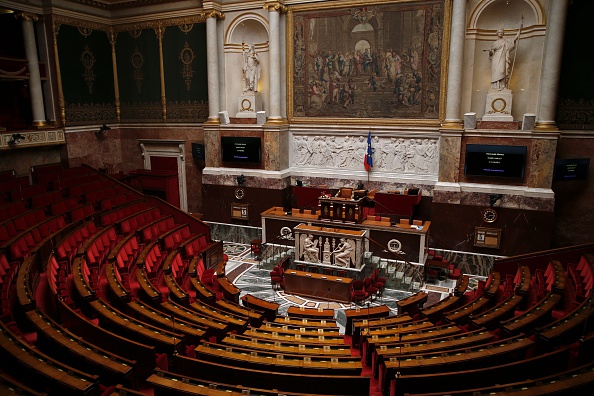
307	274
302	308
293	272
323	277
320	309
338	279
358	309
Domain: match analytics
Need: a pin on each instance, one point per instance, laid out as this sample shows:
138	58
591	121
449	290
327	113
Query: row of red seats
68	247
99	195
46	199
11	210
195	245
126	253
175	237
122	212
151	231
583	277
26	241
132	223
19	223
98	249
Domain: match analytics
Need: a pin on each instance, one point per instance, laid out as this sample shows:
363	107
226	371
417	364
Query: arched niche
249	28
484	18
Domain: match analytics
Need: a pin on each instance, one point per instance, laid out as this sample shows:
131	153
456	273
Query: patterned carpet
251	277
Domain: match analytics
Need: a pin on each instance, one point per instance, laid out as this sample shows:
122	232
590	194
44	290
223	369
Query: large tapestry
382	60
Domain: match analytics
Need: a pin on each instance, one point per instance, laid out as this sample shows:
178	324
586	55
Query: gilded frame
302	74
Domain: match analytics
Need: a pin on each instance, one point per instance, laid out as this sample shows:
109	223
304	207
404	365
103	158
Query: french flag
368	161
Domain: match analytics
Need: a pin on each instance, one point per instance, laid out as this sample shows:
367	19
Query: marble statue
251	69
499	55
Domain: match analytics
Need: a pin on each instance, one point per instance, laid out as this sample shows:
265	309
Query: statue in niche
251	69
344	253
499	55
310	249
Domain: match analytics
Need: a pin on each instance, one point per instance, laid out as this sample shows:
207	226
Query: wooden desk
479	356
255	317
461	314
230	291
310	313
325	287
115	286
534	316
411	304
364	313
296	338
316	323
164	341
270	309
281	346
202	292
464	340
361	325
82	287
436	311
26	283
146	286
238	323
212	326
493	316
461	285
24	362
80	353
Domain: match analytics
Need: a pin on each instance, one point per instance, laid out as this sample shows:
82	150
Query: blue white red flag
368	161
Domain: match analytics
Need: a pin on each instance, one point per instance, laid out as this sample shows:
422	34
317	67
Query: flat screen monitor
495	160
241	149
572	169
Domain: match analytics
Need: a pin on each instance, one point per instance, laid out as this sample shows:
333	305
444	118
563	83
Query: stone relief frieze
390	154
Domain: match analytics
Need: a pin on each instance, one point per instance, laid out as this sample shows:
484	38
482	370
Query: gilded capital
214	14
275	6
26	16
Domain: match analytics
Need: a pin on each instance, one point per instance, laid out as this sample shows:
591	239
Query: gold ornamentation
275	6
25	16
187	57
85	31
186	27
88	61
135	33
496	108
246	105
137	61
214	14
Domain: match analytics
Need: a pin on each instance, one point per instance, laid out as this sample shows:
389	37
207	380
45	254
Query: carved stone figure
499	55
344	253
251	69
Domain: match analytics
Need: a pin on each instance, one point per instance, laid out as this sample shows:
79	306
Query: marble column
212	65
551	68
35	90
453	118
274	10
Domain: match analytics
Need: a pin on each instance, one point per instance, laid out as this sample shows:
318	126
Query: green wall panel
87	75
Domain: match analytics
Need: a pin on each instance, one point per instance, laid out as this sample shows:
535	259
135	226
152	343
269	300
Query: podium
341	209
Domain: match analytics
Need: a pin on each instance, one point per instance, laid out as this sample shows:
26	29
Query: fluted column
274	9
551	68
35	90
212	65
454	89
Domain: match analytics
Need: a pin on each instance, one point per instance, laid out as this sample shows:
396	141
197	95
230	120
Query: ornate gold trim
275	6
214	14
27	16
289	44
112	36
192	19
160	31
61	103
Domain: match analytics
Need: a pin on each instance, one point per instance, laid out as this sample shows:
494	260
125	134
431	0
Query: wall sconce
240	180
102	129
16	138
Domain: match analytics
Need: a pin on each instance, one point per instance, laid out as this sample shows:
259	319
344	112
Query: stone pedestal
498	106
248	104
